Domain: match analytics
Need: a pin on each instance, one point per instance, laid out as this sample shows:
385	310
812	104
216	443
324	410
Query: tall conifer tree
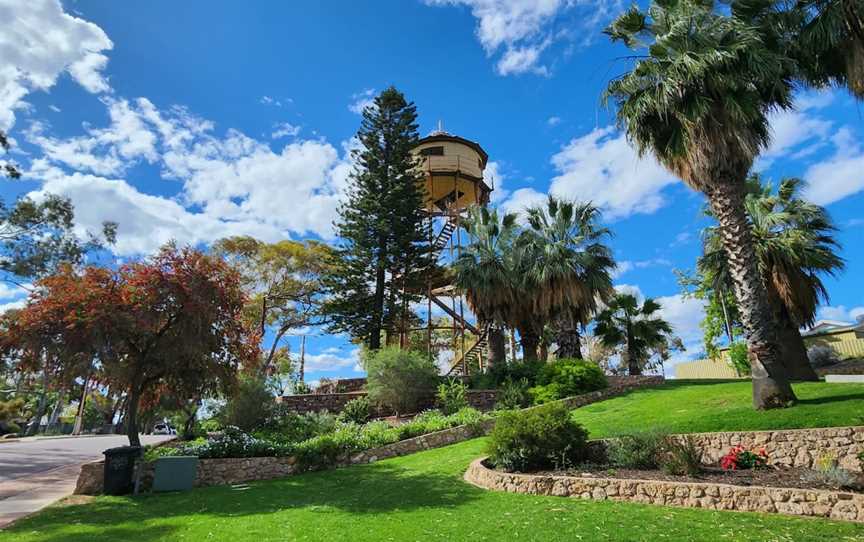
380	226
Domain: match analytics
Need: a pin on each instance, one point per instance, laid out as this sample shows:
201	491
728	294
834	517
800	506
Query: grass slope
700	406
418	497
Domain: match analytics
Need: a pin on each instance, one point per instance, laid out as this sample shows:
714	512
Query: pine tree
380	227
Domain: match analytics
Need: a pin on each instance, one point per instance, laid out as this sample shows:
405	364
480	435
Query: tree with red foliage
173	322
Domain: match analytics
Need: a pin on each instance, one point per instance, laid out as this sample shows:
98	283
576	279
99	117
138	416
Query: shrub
536	438
452	396
567	377
356	411
829	474
400	379
737	458
739	358
250	407
682	457
637	451
287	426
513	394
233	442
210	425
821	355
544	394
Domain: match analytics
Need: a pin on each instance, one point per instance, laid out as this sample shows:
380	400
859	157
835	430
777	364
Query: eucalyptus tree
795	244
698	99
635	330
569	265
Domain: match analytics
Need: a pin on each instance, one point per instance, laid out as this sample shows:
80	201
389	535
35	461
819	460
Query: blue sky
198	120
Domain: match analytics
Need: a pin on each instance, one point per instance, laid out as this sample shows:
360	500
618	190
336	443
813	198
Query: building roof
441	136
832	326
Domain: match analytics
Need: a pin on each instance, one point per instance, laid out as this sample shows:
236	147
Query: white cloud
553	121
603	168
39	43
626	266
840	175
524	28
841	313
797	133
521	199
332	359
229	185
516	60
361	101
14	291
106	151
494	176
19	304
284	129
268	100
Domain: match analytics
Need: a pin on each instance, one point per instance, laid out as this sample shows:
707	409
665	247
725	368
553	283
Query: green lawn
698	406
422	496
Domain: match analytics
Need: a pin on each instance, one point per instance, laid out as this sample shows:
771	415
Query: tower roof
441	136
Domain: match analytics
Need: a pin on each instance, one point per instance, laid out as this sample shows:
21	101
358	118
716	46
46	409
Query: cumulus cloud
333	359
603	168
361	101
523	29
228	185
284	129
841	174
40	42
553	121
626	266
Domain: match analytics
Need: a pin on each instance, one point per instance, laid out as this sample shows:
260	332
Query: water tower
453	168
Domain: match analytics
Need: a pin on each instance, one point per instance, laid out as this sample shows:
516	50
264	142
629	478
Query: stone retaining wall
791	447
799	502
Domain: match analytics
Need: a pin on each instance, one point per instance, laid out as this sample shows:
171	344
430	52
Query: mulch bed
769	477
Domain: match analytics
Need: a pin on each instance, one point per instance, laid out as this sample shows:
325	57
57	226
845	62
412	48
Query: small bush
250	407
536	438
356	411
567	377
513	395
682	457
210	425
400	379
544	394
233	442
828	473
822	356
286	426
739	358
737	458
452	396
637	451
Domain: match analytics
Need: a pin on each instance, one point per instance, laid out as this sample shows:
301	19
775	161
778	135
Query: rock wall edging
800	502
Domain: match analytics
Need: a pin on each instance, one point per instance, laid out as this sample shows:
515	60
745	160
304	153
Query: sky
196	120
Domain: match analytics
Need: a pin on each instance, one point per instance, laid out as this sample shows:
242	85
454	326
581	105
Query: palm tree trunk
771	388
567	338
530	340
793	350
496	350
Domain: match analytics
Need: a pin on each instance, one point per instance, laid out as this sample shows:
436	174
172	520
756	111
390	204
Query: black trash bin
120	469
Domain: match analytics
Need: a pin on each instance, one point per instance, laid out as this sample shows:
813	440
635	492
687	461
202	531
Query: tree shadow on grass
832	399
368	489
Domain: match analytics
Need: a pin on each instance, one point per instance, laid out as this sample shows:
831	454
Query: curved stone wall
799	502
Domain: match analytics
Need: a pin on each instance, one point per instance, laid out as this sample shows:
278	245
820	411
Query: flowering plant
738	458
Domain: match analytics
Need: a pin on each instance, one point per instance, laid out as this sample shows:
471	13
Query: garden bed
768	477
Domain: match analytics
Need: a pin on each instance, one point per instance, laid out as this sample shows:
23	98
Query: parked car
163	429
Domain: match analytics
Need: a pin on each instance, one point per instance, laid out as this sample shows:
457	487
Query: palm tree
831	42
486	272
698	100
569	265
794	244
635	329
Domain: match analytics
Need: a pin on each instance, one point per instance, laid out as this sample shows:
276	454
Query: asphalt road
28	456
